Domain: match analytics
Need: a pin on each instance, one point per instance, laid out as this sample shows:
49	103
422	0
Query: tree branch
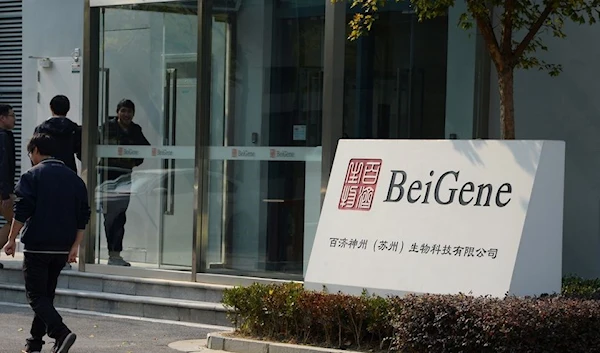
507	30
533	30
484	24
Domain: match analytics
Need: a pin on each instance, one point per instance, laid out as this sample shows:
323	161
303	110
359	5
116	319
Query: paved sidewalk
99	334
193	346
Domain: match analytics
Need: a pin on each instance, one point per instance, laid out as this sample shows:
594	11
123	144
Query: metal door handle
106	92
106	86
174	106
103	120
170	107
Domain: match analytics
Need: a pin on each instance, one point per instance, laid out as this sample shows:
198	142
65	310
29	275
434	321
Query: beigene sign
449	216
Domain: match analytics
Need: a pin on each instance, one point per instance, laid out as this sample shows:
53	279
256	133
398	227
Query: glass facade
210	133
395	77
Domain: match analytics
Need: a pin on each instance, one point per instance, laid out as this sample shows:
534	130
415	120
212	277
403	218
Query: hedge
569	322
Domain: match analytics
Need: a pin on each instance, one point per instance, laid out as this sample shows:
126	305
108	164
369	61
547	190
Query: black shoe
1	266
34	346
63	345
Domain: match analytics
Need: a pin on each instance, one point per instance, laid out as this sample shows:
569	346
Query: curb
218	341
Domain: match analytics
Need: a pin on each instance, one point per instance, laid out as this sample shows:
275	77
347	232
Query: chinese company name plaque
451	216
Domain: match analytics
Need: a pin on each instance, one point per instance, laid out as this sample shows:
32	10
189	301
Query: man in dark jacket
52	209
7	169
66	133
120	130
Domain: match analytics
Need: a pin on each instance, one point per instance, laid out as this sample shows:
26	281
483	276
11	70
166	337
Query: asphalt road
98	334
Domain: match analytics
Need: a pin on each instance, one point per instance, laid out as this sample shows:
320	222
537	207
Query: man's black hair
126	103
5	109
60	105
44	143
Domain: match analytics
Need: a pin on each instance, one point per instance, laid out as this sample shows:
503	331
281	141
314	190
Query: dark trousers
114	209
41	273
114	221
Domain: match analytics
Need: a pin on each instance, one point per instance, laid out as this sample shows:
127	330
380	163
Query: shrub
287	312
264	310
577	287
459	323
421	323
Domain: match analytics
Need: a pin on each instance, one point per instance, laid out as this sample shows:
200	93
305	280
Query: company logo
282	154
360	184
122	151
235	153
161	152
446	189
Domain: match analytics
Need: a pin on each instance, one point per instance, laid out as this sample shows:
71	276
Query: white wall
51	28
567	108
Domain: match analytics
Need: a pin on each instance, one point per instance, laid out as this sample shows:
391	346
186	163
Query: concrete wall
566	108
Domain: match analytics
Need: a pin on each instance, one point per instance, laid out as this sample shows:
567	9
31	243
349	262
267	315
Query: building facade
11	53
242	103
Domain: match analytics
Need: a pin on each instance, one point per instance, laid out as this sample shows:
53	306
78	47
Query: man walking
66	133
52	206
7	169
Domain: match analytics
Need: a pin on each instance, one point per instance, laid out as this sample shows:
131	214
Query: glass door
176	236
264	176
145	189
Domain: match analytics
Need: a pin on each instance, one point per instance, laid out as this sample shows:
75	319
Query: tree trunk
507	104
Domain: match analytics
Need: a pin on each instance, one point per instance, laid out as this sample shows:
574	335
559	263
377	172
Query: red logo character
234	152
153	151
120	151
360	183
273	153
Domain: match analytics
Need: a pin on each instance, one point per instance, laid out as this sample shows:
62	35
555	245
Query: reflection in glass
395	79
147	55
120	130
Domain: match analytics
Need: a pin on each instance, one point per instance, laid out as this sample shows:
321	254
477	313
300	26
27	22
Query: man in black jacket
119	131
66	133
7	169
52	206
